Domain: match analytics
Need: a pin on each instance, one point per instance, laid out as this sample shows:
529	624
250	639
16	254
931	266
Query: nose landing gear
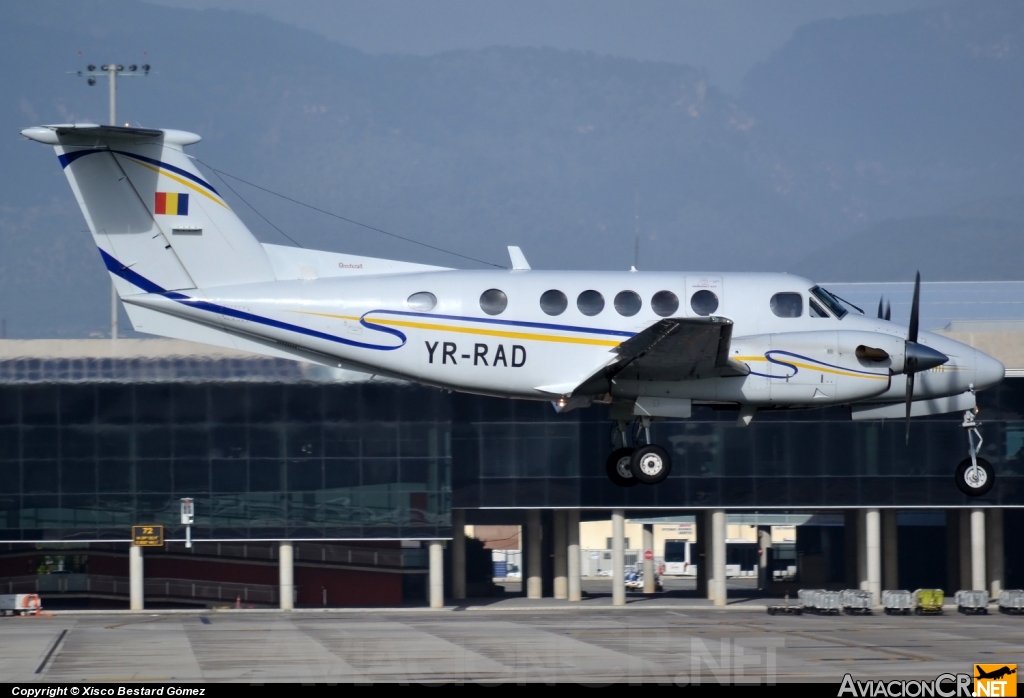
626	466
974	475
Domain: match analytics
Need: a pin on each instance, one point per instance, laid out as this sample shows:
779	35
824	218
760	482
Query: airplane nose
987	372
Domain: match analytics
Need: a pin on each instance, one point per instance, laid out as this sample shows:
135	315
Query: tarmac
680	641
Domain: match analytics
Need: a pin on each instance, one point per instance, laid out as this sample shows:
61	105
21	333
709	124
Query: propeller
885	314
918	357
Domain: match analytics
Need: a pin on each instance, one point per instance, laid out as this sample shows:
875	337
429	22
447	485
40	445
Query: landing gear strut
626	466
974	475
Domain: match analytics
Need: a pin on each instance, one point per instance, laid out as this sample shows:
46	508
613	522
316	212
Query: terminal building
315	486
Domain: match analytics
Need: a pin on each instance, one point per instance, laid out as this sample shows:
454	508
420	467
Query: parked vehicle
19	604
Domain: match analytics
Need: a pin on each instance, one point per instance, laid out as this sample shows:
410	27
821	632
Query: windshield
829	301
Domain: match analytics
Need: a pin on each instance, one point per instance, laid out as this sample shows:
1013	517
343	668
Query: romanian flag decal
171	204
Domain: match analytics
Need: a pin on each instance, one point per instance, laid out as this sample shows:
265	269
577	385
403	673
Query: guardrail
105	585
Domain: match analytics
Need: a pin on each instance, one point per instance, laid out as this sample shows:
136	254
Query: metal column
648	550
618	557
862	550
994	555
978	550
533	554
458	554
718	546
890	550
572	532
966	580
436	581
873	553
286	575
561	551
136	583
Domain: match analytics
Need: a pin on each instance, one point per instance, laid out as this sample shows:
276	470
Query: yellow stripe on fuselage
815	367
183	182
477	331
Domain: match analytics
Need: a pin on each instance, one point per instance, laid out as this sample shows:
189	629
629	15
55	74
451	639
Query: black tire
970	487
618	467
650	464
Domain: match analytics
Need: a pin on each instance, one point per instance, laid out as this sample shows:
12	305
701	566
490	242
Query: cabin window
665	303
704	302
553	302
628	303
787	304
423	301
590	302
493	301
815	309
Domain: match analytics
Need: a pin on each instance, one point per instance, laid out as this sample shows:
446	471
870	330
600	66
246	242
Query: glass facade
298	455
520	454
272	461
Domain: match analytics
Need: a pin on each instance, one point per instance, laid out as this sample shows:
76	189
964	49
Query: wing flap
677	349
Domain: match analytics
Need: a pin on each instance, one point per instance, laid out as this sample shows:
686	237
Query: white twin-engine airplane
649	343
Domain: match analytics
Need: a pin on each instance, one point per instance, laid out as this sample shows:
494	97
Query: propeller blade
910	397
881	314
915	310
888	311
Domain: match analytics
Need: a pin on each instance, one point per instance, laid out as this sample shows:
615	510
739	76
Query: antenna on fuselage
636	229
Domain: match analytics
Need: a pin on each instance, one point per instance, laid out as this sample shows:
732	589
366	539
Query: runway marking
53	648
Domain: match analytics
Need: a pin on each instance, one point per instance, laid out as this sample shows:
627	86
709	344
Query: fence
178	589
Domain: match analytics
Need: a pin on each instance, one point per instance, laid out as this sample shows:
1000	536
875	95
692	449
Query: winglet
519	262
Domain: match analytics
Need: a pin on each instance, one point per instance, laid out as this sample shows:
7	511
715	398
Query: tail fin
151	211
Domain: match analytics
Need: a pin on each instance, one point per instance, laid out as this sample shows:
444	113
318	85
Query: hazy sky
727	37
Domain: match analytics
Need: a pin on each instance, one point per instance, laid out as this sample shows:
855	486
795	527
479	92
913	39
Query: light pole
112	70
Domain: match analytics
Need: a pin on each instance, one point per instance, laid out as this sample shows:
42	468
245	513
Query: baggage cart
928	602
19	604
972	602
826	602
856	601
806	596
786	609
1011	601
897	602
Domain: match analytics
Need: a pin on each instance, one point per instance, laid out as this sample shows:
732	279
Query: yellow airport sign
148	536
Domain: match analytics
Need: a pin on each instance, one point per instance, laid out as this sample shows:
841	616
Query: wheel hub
975	477
651	464
622	467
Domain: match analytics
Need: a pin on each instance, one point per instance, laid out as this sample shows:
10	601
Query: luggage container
825	602
806	597
972	602
786	610
928	602
897	602
856	602
19	604
1011	601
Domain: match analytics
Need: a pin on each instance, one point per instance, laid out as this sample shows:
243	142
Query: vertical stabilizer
150	210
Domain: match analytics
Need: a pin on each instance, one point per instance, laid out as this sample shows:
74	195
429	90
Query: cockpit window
816	310
787	304
829	301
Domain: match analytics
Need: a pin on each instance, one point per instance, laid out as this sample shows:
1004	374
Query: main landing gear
628	466
974	475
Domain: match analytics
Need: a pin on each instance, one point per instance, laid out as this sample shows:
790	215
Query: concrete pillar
890	550
718	545
533	554
435	582
994	554
618	557
572	535
952	551
458	554
136	580
764	558
561	551
649	582
873	549
978	550
286	575
966	580
862	550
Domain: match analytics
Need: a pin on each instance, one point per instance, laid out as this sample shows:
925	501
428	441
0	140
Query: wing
673	349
